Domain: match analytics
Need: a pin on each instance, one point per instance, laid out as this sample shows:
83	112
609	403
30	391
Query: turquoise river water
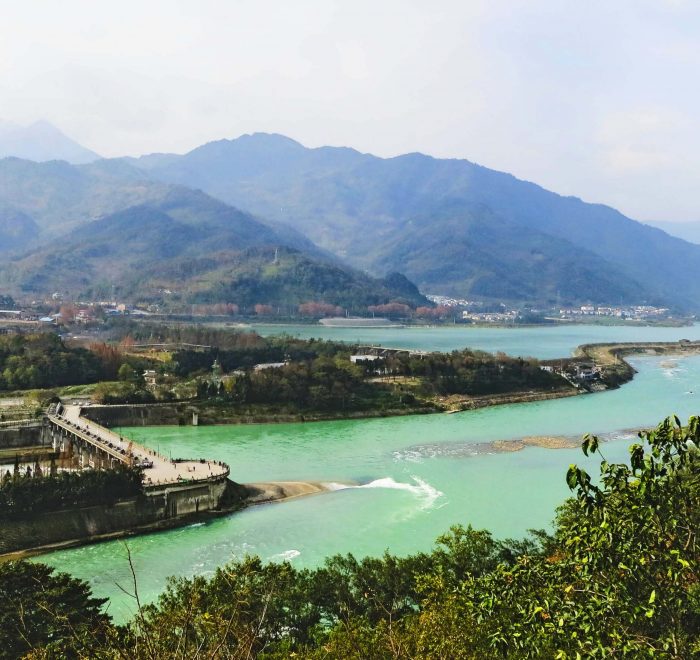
415	475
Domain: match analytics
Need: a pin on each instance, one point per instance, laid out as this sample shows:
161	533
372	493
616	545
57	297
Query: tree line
23	495
42	360
471	372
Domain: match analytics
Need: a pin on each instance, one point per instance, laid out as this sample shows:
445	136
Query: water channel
415	476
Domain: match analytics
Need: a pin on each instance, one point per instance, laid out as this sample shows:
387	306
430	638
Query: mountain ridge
107	229
352	203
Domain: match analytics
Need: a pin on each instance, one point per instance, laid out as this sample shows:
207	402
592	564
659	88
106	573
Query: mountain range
172	222
450	225
103	229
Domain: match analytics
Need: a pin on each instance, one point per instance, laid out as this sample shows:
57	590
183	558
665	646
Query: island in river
332	380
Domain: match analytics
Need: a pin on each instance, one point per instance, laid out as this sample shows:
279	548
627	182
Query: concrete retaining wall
23	436
167	414
162	507
180	500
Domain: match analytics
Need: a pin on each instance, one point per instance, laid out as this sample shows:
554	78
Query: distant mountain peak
273	138
41	141
256	141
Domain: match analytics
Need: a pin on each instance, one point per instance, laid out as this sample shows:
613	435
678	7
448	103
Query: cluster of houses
479	312
490	317
576	373
82	312
635	312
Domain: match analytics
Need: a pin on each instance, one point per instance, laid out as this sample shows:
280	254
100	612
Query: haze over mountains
41	141
688	231
451	226
187	248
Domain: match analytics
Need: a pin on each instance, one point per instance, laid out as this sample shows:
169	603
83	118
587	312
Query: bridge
88	444
386	351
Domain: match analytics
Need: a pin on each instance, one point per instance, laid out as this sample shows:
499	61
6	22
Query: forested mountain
451	226
188	248
58	196
41	202
41	141
480	224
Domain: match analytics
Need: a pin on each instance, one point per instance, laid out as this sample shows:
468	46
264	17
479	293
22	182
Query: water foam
286	555
421	489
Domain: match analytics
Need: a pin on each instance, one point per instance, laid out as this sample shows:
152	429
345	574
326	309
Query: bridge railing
152	485
128	458
92	439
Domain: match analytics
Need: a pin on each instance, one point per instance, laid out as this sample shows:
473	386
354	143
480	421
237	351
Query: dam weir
174	491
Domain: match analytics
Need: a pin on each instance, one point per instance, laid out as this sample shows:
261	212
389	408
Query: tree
49	610
67	313
621	578
126	373
319	309
264	310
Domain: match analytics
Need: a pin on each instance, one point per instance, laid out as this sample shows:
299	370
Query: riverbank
608	357
278	491
460	403
167	414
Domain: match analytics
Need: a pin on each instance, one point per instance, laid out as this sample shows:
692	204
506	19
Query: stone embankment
174	491
167	508
202	413
459	403
21	435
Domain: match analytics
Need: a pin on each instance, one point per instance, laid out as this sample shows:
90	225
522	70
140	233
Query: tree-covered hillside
43	201
359	206
176	255
103	229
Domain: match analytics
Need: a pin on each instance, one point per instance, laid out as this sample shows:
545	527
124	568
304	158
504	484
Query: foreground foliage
618	578
50	614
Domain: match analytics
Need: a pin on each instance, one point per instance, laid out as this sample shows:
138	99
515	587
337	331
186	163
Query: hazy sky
598	99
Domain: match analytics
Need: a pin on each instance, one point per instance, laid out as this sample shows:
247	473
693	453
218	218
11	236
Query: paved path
161	470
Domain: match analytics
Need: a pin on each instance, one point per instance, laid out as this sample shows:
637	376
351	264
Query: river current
398	482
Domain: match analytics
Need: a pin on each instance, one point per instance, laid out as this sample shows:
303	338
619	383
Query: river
415	475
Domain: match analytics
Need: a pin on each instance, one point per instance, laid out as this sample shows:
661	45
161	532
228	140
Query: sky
596	99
